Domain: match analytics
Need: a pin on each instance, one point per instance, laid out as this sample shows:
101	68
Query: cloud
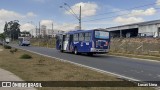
128	20
8	15
31	14
46	22
158	3
66	26
27	27
147	12
88	9
135	16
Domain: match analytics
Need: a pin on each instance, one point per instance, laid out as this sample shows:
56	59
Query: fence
143	46
43	42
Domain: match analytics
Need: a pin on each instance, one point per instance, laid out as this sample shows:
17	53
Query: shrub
25	56
13	50
7	47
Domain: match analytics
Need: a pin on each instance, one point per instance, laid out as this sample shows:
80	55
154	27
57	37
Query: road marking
88	67
136	58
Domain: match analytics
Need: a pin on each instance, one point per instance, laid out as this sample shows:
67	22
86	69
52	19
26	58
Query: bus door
58	42
70	42
66	42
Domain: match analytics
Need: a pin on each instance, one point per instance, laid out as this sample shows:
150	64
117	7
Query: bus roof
80	31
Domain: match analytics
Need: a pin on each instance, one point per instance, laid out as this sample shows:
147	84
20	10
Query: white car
7	40
24	41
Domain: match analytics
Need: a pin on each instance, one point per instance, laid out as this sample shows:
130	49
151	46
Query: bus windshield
101	34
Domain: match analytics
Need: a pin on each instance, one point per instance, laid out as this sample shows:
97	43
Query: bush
13	50
7	47
25	56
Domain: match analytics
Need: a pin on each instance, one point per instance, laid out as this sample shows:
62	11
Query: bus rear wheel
76	51
90	54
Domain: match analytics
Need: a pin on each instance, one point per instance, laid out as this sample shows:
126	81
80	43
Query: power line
115	12
71	10
73	13
109	17
127	9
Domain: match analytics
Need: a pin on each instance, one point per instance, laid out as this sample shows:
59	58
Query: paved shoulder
8	76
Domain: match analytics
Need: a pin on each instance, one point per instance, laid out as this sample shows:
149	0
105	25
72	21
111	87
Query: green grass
49	43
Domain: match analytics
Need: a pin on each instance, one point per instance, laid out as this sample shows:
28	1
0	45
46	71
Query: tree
6	32
11	29
2	36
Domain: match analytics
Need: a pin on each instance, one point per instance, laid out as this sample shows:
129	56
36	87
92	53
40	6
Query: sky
95	13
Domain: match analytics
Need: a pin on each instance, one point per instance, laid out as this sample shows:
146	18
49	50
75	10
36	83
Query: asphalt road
132	68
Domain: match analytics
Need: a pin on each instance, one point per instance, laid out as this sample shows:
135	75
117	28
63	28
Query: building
54	32
150	28
43	30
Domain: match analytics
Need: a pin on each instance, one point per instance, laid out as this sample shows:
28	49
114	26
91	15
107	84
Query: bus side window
75	37
87	37
81	36
66	37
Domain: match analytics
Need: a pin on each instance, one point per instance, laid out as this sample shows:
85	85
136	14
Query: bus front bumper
99	50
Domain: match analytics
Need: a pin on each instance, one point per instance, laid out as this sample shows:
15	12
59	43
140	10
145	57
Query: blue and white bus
84	41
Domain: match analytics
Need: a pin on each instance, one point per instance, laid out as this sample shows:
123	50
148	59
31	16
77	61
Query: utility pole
39	28
52	29
80	18
36	31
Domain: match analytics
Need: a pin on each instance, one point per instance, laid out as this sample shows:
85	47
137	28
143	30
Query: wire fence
43	42
139	46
